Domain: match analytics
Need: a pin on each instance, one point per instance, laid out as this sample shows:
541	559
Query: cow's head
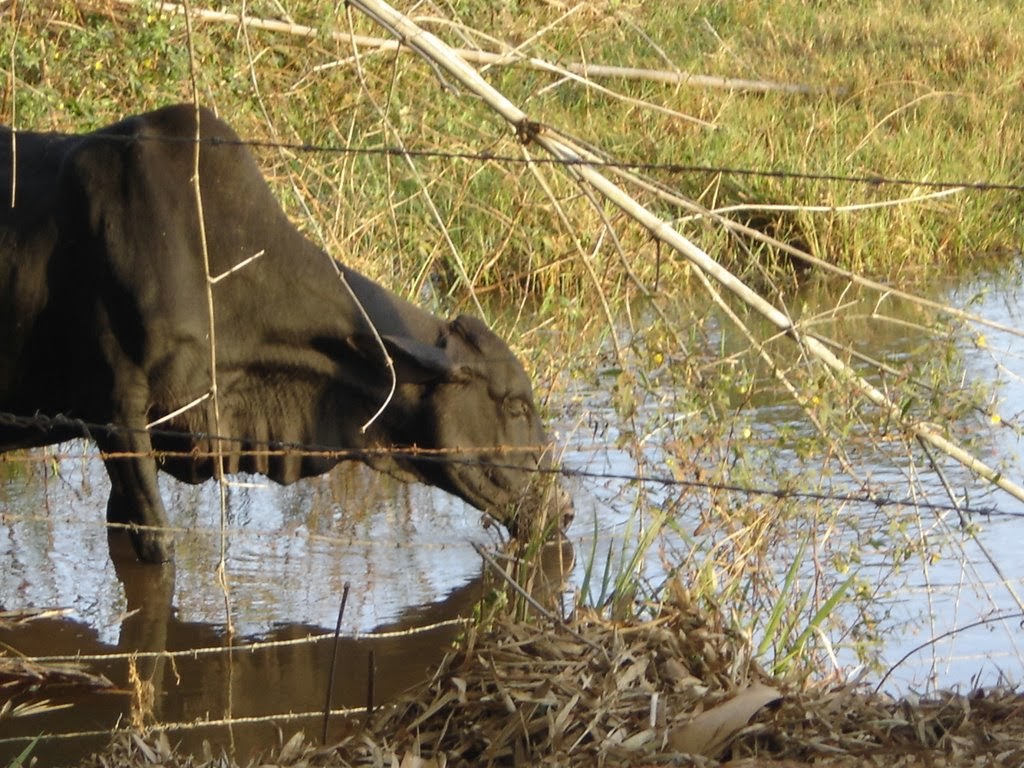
474	418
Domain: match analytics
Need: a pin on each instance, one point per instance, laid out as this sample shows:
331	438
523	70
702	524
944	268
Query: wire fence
164	669
254	447
667	168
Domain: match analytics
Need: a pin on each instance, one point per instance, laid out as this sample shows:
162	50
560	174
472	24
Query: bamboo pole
438	54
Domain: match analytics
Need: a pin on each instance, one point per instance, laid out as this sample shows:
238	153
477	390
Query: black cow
105	321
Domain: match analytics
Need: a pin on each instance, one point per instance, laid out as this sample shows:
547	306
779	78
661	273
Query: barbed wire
268	448
244	531
271	448
251	647
873	180
190	725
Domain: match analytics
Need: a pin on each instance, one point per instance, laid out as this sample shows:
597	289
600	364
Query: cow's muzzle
544	513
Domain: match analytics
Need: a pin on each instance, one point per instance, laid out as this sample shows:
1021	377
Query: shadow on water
192	673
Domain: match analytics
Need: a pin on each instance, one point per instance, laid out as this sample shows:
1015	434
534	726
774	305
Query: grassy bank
677	691
896	92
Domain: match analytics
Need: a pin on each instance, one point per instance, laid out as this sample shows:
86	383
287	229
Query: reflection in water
406	551
277	678
289	550
755	436
193	672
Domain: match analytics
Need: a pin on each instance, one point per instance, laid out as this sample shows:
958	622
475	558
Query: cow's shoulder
176	122
154	143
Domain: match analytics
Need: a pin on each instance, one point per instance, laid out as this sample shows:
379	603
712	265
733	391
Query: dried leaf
675	672
559	725
415	761
630	672
292	749
163	747
710	732
144	748
29	708
460	686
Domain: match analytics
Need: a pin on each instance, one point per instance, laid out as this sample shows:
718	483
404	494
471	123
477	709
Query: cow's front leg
134	494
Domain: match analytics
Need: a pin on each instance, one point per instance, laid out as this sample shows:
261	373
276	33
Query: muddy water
408	554
201	676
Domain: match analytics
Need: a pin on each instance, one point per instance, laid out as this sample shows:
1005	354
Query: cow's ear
414	361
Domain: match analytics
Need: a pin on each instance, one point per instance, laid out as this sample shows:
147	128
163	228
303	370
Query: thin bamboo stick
508	58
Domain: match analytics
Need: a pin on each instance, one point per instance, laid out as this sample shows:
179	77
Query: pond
406	556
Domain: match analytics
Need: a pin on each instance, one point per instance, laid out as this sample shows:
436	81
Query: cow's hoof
153	546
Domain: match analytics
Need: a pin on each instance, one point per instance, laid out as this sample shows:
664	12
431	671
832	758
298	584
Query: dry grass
899	91
19	674
678	690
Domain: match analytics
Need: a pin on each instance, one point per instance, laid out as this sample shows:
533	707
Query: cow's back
100	270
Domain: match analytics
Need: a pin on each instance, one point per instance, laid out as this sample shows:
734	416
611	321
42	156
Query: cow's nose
555	500
559	500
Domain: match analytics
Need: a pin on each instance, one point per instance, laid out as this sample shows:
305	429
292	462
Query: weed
23	758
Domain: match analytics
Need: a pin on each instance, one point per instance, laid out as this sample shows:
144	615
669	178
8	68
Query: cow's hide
106	245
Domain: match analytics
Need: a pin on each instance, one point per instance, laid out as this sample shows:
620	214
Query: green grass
906	93
24	758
